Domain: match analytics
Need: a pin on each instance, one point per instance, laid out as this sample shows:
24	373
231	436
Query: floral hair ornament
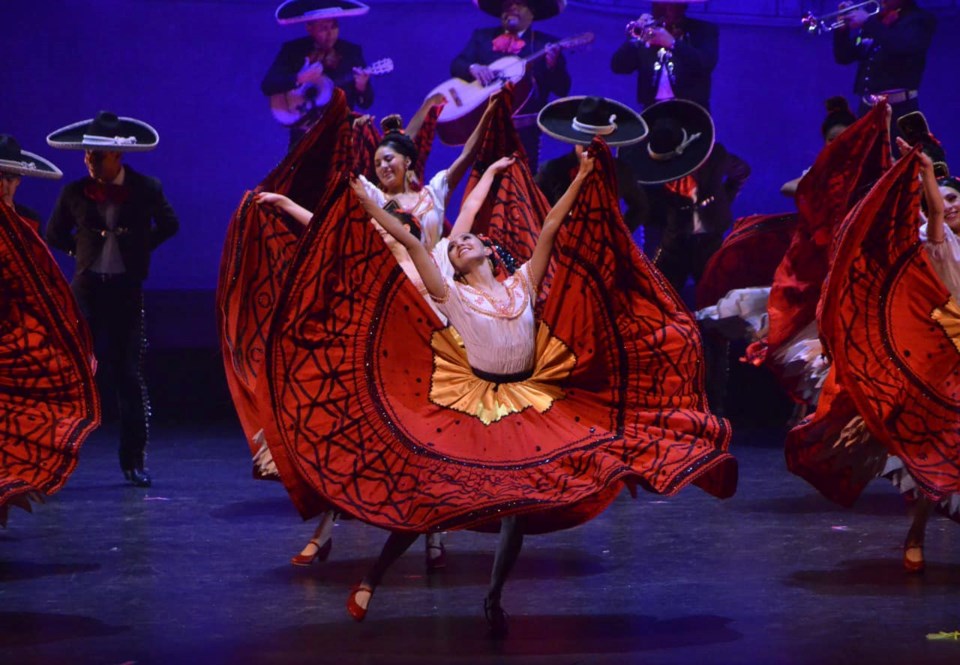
501	257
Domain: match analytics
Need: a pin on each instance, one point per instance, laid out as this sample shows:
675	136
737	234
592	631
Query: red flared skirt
48	399
378	413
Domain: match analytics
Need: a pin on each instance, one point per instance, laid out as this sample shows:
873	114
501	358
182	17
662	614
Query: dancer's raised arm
931	195
295	210
472	204
469	153
422	260
541	253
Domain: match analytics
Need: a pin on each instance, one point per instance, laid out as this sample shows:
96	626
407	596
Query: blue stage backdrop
193	69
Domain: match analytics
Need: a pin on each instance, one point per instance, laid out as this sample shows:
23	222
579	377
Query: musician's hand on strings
311	73
482	73
552	54
360	79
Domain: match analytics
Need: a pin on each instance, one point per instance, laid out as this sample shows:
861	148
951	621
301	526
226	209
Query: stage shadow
451	638
463	569
870	504
15	571
25	629
242	510
884	577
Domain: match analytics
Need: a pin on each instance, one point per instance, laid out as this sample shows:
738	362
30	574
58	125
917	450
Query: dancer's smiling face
951	207
466	251
391	167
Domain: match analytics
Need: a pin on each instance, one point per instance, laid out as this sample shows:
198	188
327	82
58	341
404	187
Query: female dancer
475	264
394	161
889	320
48	399
503	348
939	235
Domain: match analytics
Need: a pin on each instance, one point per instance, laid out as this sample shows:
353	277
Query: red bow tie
105	192
508	43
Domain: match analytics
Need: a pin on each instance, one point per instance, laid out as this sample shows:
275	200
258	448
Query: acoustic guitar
465	100
304	104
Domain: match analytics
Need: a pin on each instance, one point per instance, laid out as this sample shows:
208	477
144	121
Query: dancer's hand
501	165
270	198
905	147
360	191
587	163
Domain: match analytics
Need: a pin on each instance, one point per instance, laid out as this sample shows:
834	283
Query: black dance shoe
137	477
496	619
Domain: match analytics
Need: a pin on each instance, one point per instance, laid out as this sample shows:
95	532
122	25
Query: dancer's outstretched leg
436	552
508	549
319	546
913	545
359	599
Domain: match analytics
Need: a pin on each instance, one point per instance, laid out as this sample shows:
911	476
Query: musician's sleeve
282	75
845	48
556	80
626	59
363	100
165	221
637	211
700	54
736	172
911	35
460	67
61	226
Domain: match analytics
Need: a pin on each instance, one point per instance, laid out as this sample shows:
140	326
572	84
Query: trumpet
829	22
639	29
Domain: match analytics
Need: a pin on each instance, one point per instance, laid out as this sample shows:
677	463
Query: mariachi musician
516	36
890	49
672	54
305	62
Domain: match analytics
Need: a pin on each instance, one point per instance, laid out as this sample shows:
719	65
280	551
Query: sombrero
299	11
106	132
14	160
579	119
680	140
541	9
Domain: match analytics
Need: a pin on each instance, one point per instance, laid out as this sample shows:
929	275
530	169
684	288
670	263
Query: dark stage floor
195	571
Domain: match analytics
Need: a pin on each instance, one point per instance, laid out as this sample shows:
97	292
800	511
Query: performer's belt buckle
897	96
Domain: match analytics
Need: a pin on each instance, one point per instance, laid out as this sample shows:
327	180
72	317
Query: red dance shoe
320	555
358	613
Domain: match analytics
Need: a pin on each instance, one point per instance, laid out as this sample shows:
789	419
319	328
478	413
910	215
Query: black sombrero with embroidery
16	161
541	9
107	132
680	140
579	119
300	11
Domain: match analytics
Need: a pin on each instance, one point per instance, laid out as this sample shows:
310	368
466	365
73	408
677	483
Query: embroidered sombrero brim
541	9
128	135
558	119
651	170
31	165
300	11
